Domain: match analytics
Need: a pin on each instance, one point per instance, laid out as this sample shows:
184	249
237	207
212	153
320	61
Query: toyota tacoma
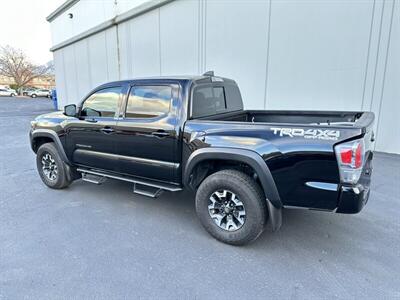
191	132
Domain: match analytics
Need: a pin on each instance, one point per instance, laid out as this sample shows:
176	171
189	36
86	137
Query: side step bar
93	178
149	183
146	190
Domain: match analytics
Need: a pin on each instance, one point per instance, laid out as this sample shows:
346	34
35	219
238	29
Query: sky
23	25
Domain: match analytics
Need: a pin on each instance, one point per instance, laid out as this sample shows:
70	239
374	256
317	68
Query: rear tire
51	168
12	95
231	206
33	96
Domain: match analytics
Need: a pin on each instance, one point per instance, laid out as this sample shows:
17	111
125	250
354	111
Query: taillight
358	160
346	156
350	156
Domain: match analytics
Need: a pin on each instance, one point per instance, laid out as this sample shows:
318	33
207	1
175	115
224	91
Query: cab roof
183	79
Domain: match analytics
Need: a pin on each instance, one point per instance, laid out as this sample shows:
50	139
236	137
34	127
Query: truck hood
50	120
56	115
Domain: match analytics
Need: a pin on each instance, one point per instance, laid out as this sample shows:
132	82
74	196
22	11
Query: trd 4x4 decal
320	134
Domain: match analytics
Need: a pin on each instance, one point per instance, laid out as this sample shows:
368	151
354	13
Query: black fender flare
250	158
37	133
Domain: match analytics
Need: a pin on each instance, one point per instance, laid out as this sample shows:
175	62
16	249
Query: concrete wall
324	55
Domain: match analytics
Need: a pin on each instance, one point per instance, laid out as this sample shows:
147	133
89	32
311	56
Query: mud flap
275	216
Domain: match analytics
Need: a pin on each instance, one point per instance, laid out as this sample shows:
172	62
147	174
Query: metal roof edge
140	10
103	26
67	4
132	13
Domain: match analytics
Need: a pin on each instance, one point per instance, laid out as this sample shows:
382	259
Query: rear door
147	132
91	139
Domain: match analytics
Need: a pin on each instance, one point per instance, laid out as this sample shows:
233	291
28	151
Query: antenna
209	73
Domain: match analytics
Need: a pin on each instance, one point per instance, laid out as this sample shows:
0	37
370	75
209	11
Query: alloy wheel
49	167
227	210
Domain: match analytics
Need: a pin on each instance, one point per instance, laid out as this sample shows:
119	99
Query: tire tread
248	185
62	180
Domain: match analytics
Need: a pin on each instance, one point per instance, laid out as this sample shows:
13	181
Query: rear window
208	101
212	100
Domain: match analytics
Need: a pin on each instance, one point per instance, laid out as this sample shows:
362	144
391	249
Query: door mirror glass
70	110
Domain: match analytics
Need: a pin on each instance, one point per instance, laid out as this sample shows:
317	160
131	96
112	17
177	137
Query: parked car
25	91
7	92
167	134
39	93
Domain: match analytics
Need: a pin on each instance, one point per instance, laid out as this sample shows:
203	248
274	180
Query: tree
15	64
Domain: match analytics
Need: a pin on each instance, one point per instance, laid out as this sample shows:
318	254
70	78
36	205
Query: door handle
107	130
91	120
160	133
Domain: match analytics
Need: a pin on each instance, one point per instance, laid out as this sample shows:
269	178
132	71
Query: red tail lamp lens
358	158
346	156
350	156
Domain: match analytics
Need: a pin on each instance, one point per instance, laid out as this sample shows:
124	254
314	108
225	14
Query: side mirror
70	110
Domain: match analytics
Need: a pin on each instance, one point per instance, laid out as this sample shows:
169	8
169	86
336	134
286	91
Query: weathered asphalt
105	242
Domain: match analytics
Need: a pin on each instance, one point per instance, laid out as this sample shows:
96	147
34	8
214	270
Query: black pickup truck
171	133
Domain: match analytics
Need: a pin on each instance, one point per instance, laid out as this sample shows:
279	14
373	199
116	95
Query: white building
305	55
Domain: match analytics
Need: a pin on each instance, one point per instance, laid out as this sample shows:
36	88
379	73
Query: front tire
33	96
231	206
51	168
12	95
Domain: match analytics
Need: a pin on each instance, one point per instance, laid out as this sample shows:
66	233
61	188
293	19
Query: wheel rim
49	167
226	210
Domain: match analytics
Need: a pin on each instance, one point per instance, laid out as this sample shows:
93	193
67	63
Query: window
103	103
148	101
208	101
234	98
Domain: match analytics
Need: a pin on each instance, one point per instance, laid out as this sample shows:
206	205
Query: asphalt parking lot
104	241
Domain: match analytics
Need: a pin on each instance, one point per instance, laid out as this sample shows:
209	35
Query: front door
147	135
91	139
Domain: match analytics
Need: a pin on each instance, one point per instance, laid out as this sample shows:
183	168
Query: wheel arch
41	136
248	157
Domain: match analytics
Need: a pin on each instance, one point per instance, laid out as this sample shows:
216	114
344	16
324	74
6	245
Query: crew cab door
147	132
90	138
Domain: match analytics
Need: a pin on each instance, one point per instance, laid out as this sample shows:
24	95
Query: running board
146	190
149	183
93	178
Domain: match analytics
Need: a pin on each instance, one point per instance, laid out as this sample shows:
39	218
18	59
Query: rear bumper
352	199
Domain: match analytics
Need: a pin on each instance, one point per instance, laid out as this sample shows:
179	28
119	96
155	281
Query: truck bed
315	118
